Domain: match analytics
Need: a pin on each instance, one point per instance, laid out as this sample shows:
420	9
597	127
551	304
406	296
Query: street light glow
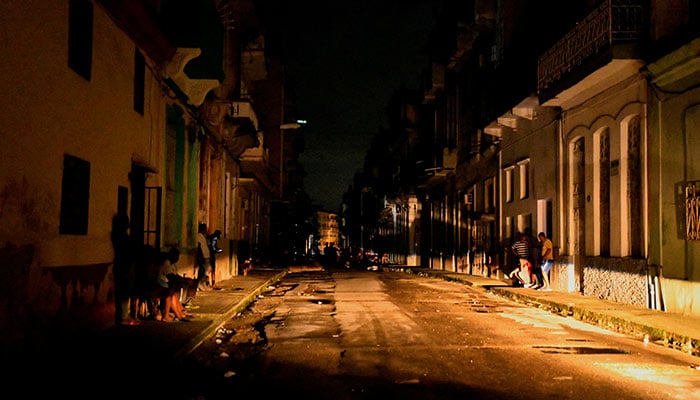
291	125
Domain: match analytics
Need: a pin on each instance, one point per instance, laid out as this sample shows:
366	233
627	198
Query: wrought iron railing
613	22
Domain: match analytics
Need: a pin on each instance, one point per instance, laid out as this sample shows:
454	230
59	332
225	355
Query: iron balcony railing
612	22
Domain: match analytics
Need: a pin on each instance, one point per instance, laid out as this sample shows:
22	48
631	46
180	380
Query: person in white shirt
203	256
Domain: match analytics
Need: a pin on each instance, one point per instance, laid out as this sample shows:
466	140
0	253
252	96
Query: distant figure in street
547	259
330	253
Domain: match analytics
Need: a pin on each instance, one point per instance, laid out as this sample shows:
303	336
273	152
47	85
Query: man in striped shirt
521	248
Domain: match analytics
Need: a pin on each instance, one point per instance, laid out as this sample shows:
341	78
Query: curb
658	335
222	318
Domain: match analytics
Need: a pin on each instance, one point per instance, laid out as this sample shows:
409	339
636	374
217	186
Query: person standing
203	255
535	261
547	258
214	249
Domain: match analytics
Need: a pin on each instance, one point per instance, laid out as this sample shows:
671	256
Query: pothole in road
481	308
579	350
280	290
477	305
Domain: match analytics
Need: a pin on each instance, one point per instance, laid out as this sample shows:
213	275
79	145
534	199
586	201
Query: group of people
532	270
163	299
147	281
156	290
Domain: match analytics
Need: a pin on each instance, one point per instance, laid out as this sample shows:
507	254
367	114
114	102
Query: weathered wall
53	283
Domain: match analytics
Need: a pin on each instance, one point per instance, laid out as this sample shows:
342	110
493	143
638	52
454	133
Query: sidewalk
677	331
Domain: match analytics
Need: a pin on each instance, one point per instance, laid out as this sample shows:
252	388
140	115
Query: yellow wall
47	110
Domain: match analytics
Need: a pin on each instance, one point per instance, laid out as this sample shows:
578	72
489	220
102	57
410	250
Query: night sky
345	60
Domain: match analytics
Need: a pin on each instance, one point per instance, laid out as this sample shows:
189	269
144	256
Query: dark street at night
350	199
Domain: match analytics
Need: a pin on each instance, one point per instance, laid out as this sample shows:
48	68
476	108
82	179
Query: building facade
580	127
127	109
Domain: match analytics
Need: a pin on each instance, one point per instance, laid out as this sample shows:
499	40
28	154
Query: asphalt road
375	335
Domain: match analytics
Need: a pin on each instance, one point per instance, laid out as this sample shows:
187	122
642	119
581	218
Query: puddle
321	301
579	350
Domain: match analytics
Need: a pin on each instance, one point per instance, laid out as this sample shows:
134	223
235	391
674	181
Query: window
523	179
80	37
469	200
75	196
139	81
508	182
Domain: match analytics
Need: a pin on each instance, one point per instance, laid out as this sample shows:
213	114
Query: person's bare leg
545	278
177	308
134	308
167	308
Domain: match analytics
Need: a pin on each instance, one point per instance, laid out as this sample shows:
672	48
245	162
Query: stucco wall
680	296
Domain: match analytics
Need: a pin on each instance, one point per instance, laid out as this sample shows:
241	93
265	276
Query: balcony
196	30
436	173
253	159
234	124
600	49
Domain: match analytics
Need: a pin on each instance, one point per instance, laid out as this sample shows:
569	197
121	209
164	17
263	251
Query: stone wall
623	280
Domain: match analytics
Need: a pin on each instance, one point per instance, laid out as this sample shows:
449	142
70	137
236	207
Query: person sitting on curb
172	309
184	286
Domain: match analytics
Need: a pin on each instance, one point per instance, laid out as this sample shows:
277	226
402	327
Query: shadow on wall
64	301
